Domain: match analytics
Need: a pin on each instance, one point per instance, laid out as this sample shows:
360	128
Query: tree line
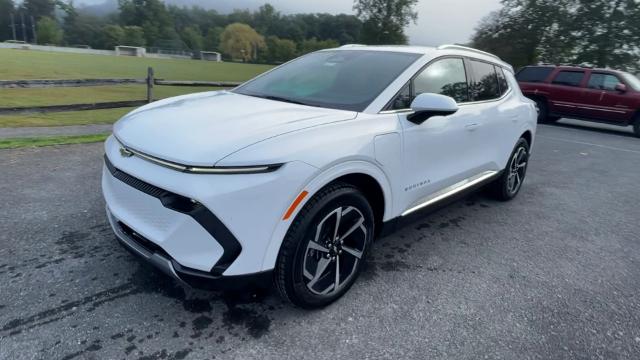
264	35
601	33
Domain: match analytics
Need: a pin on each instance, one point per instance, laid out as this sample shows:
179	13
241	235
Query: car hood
201	129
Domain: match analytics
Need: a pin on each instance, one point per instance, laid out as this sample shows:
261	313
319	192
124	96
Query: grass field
21	64
50	140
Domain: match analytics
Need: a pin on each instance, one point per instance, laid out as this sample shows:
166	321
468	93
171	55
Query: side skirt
437	201
621	123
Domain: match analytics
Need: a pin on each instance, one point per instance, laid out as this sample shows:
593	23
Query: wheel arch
635	118
371	189
366	175
539	97
535	97
527	135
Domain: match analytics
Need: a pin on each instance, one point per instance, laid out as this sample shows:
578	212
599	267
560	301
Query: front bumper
153	254
218	225
126	185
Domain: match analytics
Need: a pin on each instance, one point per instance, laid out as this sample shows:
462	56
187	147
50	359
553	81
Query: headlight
226	170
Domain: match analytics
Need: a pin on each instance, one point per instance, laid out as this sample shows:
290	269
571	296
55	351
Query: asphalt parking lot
554	274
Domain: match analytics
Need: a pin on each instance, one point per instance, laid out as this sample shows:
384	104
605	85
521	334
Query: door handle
471	127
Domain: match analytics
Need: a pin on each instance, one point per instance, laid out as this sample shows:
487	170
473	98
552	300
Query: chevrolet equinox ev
288	178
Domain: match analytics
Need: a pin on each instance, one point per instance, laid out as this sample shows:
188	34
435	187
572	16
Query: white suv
289	177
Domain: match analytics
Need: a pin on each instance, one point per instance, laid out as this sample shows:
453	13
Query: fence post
150	82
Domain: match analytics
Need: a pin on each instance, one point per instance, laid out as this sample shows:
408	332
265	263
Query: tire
636	126
508	185
311	252
543	112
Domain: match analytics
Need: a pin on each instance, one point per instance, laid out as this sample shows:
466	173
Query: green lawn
65	118
29	64
22	64
13	143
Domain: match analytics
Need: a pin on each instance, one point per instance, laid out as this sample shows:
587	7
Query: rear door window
484	85
534	74
569	78
599	81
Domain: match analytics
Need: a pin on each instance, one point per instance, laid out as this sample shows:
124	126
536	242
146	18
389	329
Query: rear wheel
543	112
323	251
508	185
636	126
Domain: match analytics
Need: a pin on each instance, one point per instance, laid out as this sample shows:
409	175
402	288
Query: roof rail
585	66
352	45
466	48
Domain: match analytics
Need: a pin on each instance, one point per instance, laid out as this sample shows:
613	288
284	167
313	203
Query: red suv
600	95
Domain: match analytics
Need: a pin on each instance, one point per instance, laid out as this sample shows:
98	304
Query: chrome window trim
465	58
487	101
408	111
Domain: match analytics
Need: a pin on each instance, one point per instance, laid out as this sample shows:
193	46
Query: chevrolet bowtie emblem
125	152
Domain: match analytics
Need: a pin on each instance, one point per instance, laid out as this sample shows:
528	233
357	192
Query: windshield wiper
278	98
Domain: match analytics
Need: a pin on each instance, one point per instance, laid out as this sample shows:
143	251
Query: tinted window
485	82
502	81
339	79
569	78
445	77
403	99
534	74
603	81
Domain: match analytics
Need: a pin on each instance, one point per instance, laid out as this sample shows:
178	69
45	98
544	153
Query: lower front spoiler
191	277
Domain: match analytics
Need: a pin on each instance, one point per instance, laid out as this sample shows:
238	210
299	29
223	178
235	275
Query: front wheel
636	126
325	247
508	185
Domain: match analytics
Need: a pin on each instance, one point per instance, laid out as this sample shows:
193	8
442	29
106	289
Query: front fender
320	180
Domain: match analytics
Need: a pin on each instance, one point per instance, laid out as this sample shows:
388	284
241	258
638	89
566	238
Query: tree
311	45
133	36
6	9
278	50
212	40
39	8
49	31
80	29
384	20
240	41
606	33
112	36
150	15
193	38
266	18
517	31
594	32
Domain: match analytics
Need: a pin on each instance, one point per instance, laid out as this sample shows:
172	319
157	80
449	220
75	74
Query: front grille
134	182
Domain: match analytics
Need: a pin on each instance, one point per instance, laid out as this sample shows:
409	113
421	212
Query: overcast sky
439	21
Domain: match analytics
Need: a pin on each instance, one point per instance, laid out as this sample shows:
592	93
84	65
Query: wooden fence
150	81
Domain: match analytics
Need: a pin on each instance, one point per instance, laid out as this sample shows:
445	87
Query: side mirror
621	88
428	105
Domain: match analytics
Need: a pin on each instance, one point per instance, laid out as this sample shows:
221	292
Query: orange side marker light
295	204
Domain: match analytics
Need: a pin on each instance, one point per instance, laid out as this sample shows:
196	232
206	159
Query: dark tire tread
498	187
290	242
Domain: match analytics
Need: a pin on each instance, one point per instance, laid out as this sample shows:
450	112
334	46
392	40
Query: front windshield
633	81
338	79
